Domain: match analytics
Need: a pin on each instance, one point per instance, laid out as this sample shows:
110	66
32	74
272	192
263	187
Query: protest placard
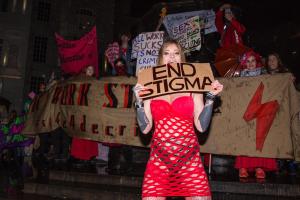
174	78
207	16
145	48
112	52
188	34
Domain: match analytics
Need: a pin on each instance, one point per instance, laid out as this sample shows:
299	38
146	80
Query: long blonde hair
165	45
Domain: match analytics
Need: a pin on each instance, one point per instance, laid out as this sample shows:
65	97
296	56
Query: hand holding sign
217	87
176	78
139	91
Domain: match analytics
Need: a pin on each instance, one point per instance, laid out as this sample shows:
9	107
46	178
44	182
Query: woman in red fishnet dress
174	167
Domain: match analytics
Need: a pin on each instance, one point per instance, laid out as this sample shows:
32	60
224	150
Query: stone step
92	186
90	192
275	189
66	190
103	179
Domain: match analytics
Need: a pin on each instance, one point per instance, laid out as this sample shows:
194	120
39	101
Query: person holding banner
251	62
274	64
174	167
84	149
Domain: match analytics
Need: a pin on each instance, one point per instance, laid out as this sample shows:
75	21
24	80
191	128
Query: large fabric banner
145	48
78	54
188	34
207	19
103	110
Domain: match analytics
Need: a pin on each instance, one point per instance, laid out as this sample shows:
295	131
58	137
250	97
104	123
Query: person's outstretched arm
203	112
143	111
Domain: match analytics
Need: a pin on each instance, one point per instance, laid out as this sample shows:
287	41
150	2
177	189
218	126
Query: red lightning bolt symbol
264	114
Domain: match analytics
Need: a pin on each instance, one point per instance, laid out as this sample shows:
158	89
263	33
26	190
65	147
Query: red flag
75	55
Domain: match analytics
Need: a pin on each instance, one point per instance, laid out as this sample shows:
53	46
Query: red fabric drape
75	55
84	149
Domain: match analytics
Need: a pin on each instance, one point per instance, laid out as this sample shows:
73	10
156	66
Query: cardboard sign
175	78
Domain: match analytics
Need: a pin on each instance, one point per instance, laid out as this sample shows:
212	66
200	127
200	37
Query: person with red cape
231	42
230	29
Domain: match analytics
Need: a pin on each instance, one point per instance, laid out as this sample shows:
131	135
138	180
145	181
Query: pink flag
75	55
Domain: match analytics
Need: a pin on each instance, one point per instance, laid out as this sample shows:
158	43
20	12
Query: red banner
78	54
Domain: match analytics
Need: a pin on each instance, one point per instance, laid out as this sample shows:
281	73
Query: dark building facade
28	52
15	20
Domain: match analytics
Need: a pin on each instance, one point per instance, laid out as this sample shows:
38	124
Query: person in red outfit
81	148
230	29
174	167
251	63
120	67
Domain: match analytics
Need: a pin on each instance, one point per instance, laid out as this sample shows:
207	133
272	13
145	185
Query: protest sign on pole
206	16
188	34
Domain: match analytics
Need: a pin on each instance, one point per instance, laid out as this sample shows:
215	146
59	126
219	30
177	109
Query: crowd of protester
33	157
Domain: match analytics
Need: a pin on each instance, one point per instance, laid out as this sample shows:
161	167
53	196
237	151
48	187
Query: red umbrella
227	60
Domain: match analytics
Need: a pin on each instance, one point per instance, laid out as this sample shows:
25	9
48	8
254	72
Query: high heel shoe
243	173
260	174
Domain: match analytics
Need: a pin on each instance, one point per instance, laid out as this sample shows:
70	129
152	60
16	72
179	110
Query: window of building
85	11
35	82
13	56
86	19
13	6
4	4
43	11
40	49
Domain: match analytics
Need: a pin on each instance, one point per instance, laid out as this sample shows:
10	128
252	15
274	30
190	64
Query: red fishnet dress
174	167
